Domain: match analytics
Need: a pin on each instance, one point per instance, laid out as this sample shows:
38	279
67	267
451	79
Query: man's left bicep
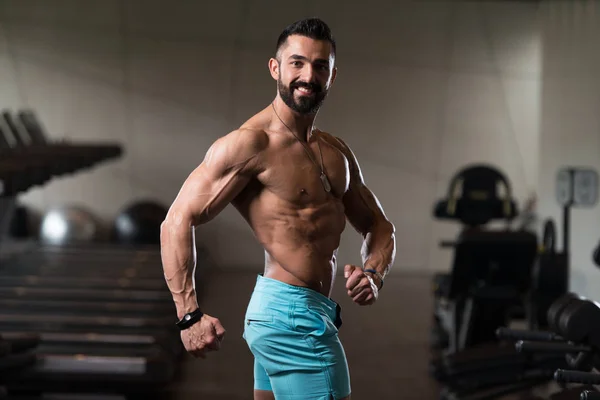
362	208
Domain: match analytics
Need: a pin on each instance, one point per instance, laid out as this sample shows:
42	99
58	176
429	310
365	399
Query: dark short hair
314	28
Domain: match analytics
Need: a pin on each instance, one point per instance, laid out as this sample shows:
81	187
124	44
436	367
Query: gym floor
386	344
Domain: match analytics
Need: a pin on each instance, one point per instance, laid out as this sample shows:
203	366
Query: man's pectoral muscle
230	163
366	215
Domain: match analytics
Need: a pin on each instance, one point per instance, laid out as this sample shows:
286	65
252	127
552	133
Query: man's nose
308	73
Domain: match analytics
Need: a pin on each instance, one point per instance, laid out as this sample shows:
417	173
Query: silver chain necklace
324	180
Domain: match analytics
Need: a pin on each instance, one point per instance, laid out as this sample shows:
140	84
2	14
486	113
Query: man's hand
360	286
205	335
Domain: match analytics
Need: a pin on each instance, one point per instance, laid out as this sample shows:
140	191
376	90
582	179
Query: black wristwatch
189	319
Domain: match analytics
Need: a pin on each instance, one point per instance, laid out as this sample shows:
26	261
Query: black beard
306	104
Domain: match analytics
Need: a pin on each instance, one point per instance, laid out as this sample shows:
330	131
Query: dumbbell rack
28	159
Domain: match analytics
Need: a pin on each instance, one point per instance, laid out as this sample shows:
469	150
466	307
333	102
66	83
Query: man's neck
300	125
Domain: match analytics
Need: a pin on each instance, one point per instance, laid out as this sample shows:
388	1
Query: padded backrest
494	259
477	195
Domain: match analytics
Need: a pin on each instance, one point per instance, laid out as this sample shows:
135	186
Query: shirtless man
295	186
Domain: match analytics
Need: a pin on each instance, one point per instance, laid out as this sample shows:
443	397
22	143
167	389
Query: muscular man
296	186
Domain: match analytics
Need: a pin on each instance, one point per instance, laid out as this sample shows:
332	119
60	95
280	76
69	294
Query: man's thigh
299	380
302	361
262	383
263	395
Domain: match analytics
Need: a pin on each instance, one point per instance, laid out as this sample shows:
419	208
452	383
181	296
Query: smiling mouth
305	90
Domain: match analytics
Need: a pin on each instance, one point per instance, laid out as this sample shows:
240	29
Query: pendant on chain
325	182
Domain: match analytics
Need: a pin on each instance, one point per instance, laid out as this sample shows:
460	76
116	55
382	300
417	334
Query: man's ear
333	75
274	68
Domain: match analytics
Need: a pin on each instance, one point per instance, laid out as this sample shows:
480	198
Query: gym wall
423	88
570	122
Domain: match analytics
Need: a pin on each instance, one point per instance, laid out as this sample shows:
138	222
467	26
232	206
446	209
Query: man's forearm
379	248
178	253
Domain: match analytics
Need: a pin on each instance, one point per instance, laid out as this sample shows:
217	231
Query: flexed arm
366	215
230	163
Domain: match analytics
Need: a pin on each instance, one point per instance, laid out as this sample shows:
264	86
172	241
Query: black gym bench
491	276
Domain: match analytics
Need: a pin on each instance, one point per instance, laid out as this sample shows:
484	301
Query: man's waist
314	274
281	300
271	290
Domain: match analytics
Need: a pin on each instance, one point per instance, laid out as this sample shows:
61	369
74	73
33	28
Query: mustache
315	87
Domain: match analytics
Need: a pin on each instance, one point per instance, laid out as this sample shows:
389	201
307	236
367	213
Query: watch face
187	317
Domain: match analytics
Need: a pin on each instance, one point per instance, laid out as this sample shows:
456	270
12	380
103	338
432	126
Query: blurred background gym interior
476	124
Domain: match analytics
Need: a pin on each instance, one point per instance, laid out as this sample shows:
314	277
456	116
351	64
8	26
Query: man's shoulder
247	139
335	141
249	135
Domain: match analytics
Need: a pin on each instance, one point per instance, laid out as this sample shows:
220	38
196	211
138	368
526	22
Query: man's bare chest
306	173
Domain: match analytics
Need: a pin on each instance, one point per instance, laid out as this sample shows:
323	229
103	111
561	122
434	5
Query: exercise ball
68	225
139	223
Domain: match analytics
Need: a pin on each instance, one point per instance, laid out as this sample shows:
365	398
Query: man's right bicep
210	187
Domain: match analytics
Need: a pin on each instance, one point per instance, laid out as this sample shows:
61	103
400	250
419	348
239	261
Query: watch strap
189	319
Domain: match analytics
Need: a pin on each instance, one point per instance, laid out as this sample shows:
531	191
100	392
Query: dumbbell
577	356
568	315
554	313
77	156
564	377
580	321
589	395
18	170
27	159
62	157
571	393
34	145
557	308
580	337
18	176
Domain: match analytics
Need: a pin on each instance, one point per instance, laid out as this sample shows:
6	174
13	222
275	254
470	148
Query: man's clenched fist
205	335
360	286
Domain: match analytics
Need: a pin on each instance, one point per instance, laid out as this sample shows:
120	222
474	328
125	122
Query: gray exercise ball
68	225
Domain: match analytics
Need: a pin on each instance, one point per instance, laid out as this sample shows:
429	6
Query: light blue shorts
293	333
